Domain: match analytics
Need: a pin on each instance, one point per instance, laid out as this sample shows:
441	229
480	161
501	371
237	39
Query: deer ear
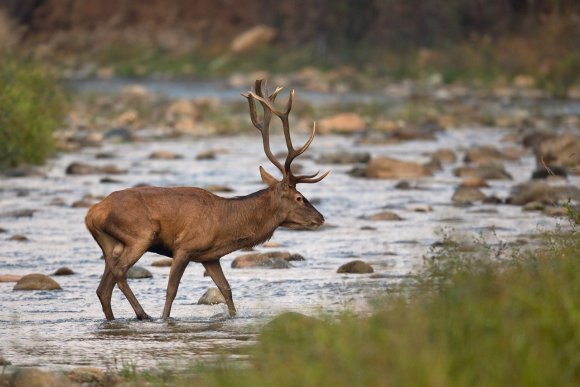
268	179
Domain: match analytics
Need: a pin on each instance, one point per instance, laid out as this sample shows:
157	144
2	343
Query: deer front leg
214	270
178	266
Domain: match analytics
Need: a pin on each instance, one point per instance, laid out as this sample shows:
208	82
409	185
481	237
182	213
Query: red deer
192	224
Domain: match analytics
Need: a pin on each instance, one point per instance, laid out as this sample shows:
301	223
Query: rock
444	156
345	123
212	296
138	272
562	151
403	185
3	230
542	192
18	238
36	282
356	267
474	182
295	257
164	262
493	171
77	168
127	118
252	39
164	155
23	171
18	214
464	195
87	376
389	168
119	135
419	208
110	180
179	110
533	206
556	211
385	216
218	188
85	202
485	154
550	171
34	377
271	244
271	260
207	155
63	271
344	157
10	278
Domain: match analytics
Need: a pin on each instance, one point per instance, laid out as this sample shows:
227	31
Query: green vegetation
32	106
478	314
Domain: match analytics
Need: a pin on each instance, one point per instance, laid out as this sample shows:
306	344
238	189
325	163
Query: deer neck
255	217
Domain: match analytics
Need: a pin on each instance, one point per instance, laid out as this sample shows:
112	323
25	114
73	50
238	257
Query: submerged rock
18	238
389	168
63	271
78	168
355	267
385	216
542	192
26	213
36	282
344	157
212	296
271	260
493	171
164	155
464	195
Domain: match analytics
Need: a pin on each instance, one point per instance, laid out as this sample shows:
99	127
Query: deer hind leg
214	270
109	246
123	258
105	291
178	266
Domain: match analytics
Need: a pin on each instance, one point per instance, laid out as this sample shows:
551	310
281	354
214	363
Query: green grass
32	106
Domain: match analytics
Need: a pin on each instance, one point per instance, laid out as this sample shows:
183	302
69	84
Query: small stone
419	208
385	216
445	156
10	278
344	157
77	168
533	206
63	271
164	262
36	282
3	230
207	155
474	182
390	168
556	211
83	203
164	155
110	180
272	260
18	238
403	185
355	267
138	272
295	257
212	296
18	214
464	195
271	244
368	228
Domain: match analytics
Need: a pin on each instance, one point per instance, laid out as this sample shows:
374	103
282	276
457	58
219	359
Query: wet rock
119	135
444	156
138	272
36	282
355	267
207	155
562	151
29	377
403	185
57	202
85	202
493	171
533	206
10	278
87	376
556	211
346	123
25	213
419	208
64	271
368	228
492	200
18	238
542	192
212	296
164	262
344	157
3	230
164	155
549	172
110	180
433	165
271	260
487	154
271	244
389	168
105	155
252	39
218	188
24	171
464	195
295	257
77	168
474	182
385	216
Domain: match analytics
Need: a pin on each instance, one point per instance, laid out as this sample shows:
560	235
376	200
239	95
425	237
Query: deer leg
105	291
214	270
177	269
127	258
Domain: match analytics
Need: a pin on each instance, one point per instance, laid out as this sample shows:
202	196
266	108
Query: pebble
355	267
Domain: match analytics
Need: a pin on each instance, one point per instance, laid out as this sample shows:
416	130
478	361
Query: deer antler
267	103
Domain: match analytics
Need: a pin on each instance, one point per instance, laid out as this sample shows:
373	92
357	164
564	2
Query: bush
32	106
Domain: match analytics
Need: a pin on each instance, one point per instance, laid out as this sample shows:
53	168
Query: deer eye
299	199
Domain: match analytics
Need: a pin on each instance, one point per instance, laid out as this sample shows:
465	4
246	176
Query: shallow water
63	329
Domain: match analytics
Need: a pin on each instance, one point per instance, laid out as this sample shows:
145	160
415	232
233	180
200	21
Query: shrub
32	106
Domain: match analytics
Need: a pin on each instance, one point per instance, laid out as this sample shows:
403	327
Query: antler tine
307	179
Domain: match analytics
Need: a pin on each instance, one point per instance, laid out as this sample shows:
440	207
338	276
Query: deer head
296	210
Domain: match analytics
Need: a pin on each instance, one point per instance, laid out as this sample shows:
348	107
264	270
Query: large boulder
36	282
341	123
390	168
253	39
211	297
355	267
271	260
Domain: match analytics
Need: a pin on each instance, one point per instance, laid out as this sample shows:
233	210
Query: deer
190	224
